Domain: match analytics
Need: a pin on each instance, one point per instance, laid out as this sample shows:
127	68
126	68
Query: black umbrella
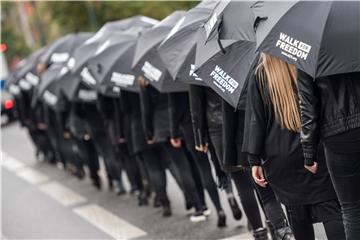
320	37
86	50
60	50
110	67
178	45
146	59
225	50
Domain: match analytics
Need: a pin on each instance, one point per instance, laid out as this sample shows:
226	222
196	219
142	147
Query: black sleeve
119	118
229	126
256	125
147	112
174	121
197	100
309	103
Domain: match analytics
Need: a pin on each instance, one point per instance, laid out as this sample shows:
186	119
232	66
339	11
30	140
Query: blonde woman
275	154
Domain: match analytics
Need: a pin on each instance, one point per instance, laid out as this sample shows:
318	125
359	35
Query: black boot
260	234
143	199
166	209
157	202
221	219
235	208
97	182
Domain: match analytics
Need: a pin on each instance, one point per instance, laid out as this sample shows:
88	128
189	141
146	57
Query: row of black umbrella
214	44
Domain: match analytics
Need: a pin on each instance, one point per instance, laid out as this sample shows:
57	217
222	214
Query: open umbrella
60	50
177	49
225	51
147	61
319	37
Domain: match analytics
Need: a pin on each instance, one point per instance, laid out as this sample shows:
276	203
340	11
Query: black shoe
188	206
198	217
97	183
235	208
157	202
284	233
143	199
261	234
221	219
167	210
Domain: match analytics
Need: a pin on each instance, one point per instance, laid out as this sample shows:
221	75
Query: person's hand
313	169
87	137
67	135
41	126
121	140
151	141
258	176
202	148
175	142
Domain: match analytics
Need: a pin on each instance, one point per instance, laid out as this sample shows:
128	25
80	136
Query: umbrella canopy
225	51
87	49
179	43
60	50
111	65
147	61
325	42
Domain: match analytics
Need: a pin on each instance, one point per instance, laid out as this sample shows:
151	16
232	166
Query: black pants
203	166
156	169
179	165
342	154
89	156
244	186
302	217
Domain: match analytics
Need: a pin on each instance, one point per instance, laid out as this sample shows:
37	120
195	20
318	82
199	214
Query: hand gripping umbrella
319	37
60	50
177	49
147	61
225	51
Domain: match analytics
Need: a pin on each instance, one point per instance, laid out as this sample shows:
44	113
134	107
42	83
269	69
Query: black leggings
203	167
342	154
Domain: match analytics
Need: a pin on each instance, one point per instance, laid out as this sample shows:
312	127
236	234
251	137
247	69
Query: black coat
206	113
179	107
329	106
155	114
279	152
130	103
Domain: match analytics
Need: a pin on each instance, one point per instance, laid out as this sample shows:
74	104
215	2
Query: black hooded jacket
279	152
329	106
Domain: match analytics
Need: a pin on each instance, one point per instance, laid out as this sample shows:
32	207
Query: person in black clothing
206	110
330	112
155	112
275	154
181	127
235	160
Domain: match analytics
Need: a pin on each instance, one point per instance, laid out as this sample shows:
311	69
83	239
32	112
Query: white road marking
62	194
108	222
11	163
32	176
243	236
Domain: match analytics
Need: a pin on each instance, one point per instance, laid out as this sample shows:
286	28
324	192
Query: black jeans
302	217
342	154
88	155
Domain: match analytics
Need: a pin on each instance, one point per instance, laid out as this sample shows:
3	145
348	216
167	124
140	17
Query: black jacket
329	106
206	113
279	151
155	113
179	111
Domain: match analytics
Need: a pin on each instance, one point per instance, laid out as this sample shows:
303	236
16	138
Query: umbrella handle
218	38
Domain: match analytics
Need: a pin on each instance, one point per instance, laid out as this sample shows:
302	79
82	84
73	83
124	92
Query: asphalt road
40	201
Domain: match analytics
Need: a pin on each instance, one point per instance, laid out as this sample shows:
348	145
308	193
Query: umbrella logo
151	72
24	84
87	95
223	80
31	78
50	98
121	79
13	89
292	48
59	57
87	77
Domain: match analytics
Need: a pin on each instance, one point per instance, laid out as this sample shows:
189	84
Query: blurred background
28	25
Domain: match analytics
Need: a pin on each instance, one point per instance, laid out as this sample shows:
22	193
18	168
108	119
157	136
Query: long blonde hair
280	80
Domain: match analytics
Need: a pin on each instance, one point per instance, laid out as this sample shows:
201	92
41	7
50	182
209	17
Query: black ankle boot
166	210
235	208
260	234
284	233
221	219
